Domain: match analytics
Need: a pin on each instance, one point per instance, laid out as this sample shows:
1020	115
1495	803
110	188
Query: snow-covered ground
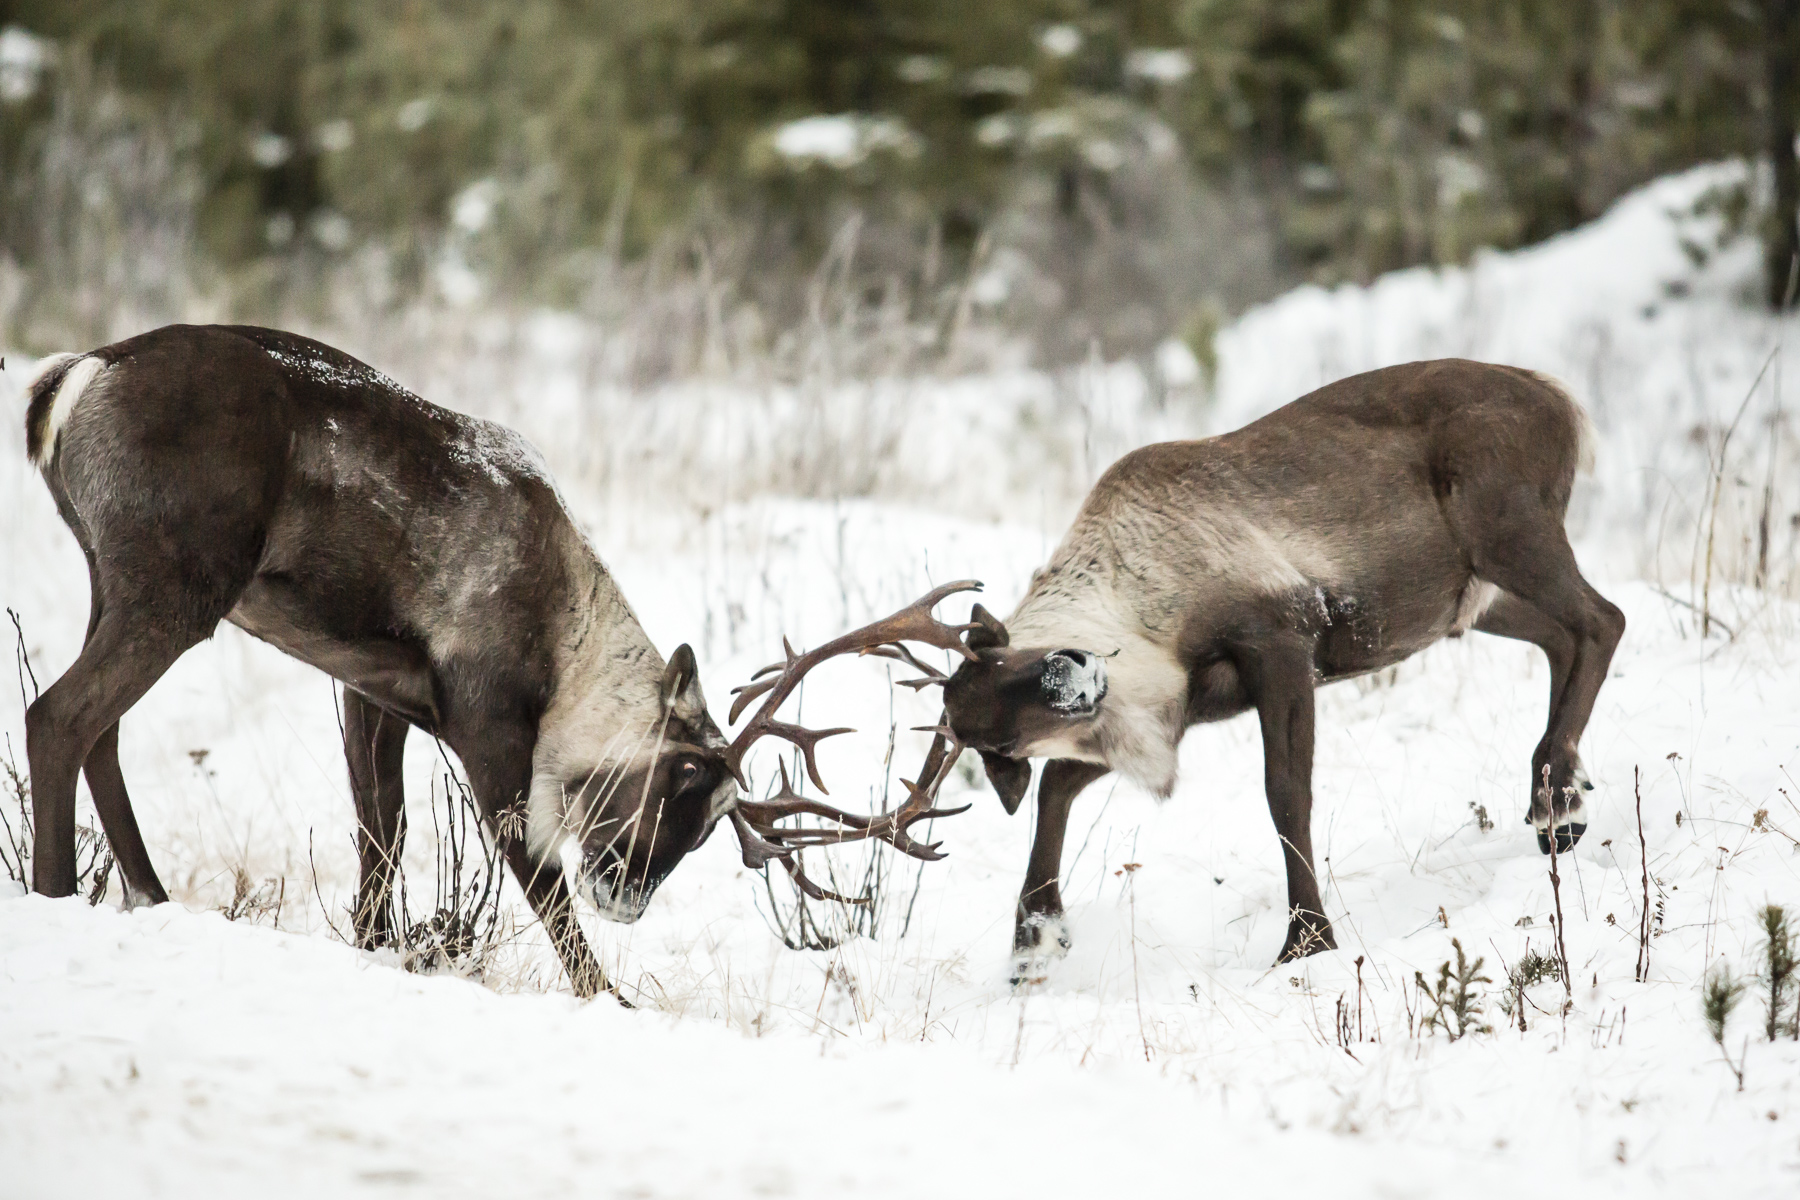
171	1052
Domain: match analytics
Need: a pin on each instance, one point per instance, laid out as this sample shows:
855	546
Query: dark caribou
425	560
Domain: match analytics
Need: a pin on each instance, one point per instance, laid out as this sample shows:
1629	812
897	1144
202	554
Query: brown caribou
1334	537
426	561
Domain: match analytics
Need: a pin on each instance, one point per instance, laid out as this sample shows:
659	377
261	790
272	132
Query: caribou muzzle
615	896
1073	682
1011	700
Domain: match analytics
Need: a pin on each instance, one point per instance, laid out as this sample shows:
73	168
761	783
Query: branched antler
760	834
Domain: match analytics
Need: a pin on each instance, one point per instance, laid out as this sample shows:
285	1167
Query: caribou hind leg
107	785
374	748
1039	935
1511	617
1547	601
75	722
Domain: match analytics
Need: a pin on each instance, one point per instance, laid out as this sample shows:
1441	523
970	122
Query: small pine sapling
1778	973
1455	1006
1719	995
1531	969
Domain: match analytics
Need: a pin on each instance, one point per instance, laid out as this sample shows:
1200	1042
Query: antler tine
891	827
761	817
748	694
758	852
806	739
912	623
762	814
900	653
801	881
933	676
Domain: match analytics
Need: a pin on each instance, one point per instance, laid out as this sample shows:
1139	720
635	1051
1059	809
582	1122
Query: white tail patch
45	365
1588	439
68	395
1586	436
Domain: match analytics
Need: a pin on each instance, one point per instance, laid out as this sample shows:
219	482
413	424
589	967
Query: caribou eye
687	774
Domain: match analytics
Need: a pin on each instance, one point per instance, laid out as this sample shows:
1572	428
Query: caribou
1334	537
426	561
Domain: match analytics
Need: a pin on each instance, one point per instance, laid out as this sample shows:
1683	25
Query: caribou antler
757	822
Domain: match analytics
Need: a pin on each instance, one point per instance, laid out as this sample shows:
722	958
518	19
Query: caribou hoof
1566	837
135	899
1042	939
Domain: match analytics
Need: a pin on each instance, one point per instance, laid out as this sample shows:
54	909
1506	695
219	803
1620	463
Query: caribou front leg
499	768
1039	935
549	895
1278	675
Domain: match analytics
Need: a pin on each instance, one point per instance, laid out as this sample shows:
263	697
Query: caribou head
625	827
1012	705
625	824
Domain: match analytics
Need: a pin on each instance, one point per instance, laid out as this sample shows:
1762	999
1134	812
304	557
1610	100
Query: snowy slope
173	1053
1661	351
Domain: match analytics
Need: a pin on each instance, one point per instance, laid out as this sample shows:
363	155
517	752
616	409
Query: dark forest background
1094	177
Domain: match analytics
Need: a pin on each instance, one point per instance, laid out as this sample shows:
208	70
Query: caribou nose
1074	681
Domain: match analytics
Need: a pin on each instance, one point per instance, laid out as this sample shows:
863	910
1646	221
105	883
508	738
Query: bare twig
462	933
1672	598
23	661
1562	949
15	849
1129	871
313	867
254	900
1642	972
1718	490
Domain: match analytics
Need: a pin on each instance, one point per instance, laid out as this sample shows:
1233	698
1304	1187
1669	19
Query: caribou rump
1334	537
425	560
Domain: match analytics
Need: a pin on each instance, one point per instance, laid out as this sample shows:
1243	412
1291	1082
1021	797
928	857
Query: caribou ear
681	686
989	632
1010	777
